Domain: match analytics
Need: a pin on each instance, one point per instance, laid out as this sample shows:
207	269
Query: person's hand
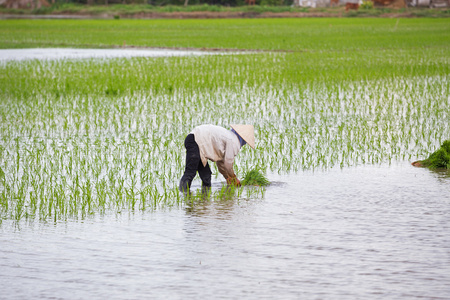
233	181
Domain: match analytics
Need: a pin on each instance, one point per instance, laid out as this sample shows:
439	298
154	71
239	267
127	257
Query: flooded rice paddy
68	53
367	232
89	168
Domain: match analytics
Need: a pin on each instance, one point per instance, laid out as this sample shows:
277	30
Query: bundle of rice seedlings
439	159
255	177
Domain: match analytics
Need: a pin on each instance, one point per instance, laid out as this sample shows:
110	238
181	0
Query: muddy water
369	232
67	53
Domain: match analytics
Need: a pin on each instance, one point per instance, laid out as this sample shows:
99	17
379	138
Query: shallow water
367	232
68	53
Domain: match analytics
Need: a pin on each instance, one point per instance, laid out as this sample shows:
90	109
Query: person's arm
225	170
226	166
228	173
233	181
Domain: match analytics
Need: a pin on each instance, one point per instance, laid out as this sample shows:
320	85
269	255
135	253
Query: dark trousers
193	165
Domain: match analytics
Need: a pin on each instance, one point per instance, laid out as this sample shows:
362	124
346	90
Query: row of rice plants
90	79
68	154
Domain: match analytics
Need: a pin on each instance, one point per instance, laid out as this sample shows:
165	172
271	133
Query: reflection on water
209	209
369	232
220	206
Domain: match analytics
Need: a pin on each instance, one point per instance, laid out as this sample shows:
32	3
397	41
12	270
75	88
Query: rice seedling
440	159
255	177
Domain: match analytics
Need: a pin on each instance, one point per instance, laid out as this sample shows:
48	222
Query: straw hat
247	133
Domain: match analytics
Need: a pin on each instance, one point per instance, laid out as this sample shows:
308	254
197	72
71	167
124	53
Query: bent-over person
215	143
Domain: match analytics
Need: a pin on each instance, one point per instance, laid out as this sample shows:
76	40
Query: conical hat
247	133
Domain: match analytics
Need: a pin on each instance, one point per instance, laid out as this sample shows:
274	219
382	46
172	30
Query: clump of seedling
255	177
440	159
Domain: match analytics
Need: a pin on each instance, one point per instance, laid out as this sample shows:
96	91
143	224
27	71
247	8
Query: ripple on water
368	232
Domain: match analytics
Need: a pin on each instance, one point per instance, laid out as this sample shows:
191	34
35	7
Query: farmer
216	144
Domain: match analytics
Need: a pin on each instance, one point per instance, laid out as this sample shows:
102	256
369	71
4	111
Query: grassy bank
82	137
64	8
216	11
129	9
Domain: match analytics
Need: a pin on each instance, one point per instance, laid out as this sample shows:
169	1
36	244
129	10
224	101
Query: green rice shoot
255	177
440	159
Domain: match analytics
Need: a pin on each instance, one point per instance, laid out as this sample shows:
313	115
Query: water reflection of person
215	143
221	208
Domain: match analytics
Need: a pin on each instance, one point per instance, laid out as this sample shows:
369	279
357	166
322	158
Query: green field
81	137
308	35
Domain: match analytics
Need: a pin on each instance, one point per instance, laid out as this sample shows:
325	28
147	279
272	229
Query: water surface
367	232
69	53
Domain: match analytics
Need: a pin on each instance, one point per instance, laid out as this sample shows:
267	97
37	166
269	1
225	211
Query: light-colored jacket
219	145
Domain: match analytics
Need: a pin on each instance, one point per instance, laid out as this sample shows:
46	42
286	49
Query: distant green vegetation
129	9
238	6
323	35
82	137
